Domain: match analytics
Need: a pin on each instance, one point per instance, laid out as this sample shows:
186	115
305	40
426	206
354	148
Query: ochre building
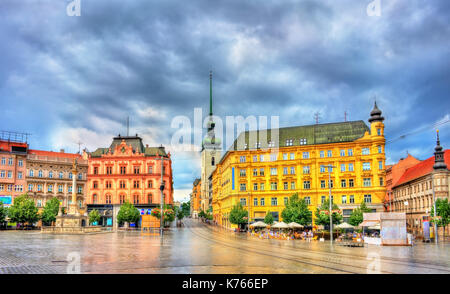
261	173
195	198
127	171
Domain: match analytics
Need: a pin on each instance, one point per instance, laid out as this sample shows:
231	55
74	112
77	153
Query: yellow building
262	174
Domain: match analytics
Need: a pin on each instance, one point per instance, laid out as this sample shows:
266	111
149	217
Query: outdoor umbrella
295	225
280	225
345	226
258	224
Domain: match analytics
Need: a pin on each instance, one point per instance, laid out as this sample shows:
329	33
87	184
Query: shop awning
369	223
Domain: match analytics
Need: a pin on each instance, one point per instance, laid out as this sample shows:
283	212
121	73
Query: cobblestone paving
197	248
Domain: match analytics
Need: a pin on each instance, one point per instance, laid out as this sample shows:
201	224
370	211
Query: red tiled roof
54	154
421	169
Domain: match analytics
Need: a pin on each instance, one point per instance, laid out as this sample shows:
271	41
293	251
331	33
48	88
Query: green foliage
128	213
238	215
180	214
23	210
94	216
297	211
186	208
323	216
50	211
202	214
3	212
268	219
443	212
357	214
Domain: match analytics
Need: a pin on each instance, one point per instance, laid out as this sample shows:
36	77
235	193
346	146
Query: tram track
335	258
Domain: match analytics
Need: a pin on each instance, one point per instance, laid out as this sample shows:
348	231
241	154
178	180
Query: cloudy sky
66	79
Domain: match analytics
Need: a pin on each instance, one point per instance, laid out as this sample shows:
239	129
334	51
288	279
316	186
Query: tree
297	211
186	208
94	216
443	213
50	211
3	212
201	214
268	219
357	214
128	213
323	214
180	214
169	214
238	215
23	210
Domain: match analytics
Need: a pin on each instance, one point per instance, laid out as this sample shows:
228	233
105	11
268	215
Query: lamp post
434	208
330	167
161	188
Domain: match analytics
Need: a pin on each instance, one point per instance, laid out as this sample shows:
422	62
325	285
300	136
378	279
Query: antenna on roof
317	117
345	115
79	146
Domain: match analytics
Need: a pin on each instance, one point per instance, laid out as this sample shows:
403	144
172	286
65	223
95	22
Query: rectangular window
243	187
286	200
344	199
285	170
380	165
322	184
242	159
350	167
330	184
322	154
10	161
350	152
330	153
352	199
292	156
255	201
305	155
3	161
30	187
306	169
255	172
379	132
136	170
343	183
3	174
306	185
322	199
381	181
285	156
273	171
261	172
342	152
255	158
242	172
380	149
292	185
20	162
365	151
368	198
150	169
367	182
244	201
261	158
322	168
255	186
286	185
9	174
263	201
123	170
366	165
292	170
273	186
273	157
60	188
261	186
343	167
274	201
308	200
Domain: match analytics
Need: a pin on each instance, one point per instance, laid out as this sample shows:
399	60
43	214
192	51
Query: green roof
301	135
136	144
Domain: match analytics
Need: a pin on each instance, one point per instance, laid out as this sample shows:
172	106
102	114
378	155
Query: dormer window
303	141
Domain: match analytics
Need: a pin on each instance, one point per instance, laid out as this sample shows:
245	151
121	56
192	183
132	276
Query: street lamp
434	208
161	187
330	167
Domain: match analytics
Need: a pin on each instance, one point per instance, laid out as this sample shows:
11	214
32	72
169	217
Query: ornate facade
49	174
413	192
195	198
127	172
262	174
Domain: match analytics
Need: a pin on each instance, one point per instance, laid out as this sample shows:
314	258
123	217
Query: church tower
210	156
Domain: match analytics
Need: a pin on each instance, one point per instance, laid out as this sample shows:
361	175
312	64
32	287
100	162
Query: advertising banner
6	200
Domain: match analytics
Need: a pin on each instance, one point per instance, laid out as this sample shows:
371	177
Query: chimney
61	150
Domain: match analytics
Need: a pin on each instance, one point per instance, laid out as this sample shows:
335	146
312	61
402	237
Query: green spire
210	94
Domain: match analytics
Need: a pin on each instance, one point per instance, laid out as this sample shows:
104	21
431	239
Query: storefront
106	213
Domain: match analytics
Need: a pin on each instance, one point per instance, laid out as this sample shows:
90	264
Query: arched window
136	199
122	199
150	184
150	198
212	160
108	199
94	198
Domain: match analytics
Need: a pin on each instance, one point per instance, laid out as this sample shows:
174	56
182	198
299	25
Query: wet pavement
199	248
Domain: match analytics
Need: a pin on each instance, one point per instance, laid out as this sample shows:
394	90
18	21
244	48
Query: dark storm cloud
150	60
